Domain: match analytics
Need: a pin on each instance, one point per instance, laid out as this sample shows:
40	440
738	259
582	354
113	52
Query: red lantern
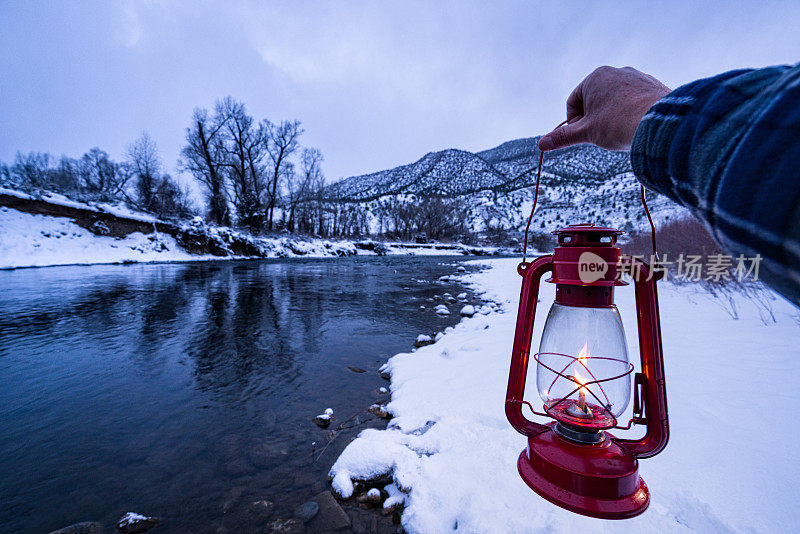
583	378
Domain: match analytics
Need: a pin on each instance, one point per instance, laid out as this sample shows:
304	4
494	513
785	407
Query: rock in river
285	526
422	340
380	411
133	523
331	516
323	420
87	527
259	511
306	511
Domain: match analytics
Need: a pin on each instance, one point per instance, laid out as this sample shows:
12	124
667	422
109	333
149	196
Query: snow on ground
733	390
28	240
31	240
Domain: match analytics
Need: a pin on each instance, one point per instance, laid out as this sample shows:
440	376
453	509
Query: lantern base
600	480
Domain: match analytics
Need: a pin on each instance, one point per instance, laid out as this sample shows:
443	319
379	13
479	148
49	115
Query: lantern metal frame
598	479
610	421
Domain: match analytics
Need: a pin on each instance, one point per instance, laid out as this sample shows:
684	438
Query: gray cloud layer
376	84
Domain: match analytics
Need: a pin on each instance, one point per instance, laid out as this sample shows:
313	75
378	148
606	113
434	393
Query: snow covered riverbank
37	240
732	391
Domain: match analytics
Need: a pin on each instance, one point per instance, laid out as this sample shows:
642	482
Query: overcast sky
375	84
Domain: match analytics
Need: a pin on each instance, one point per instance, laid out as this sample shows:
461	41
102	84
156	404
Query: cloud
130	23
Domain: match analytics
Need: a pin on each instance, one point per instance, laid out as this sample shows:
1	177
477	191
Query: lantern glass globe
588	345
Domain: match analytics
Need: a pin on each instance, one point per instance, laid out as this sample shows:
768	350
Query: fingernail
546	143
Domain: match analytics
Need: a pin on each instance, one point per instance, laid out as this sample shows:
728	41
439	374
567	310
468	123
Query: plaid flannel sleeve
728	148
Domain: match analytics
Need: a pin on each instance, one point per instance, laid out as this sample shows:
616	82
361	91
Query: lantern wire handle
536	198
650	219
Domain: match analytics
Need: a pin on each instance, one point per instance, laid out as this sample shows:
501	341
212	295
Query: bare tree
204	158
245	149
31	170
99	174
145	166
299	185
281	142
5	175
65	177
170	200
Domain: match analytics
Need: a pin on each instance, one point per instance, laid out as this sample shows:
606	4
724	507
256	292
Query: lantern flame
583	354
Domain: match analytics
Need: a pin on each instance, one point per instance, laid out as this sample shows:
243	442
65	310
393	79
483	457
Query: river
187	391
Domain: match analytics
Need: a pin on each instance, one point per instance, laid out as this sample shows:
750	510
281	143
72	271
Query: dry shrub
682	236
687	236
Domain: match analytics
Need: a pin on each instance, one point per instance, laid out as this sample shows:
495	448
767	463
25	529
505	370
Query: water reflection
186	391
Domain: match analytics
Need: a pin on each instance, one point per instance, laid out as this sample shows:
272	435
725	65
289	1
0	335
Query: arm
728	148
725	147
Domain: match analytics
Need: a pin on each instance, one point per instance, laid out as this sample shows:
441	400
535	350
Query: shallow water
187	391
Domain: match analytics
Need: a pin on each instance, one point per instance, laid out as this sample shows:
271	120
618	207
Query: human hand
606	108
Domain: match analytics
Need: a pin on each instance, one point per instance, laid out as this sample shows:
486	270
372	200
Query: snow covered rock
461	269
422	340
378	454
370	497
441	309
467	311
462	296
384	372
133	523
380	411
395	500
323	420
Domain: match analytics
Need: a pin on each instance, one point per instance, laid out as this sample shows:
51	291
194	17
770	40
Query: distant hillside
579	184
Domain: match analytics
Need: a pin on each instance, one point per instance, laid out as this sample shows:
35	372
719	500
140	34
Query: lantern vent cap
587	234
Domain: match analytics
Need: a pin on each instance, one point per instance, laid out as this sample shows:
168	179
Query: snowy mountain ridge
579	184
